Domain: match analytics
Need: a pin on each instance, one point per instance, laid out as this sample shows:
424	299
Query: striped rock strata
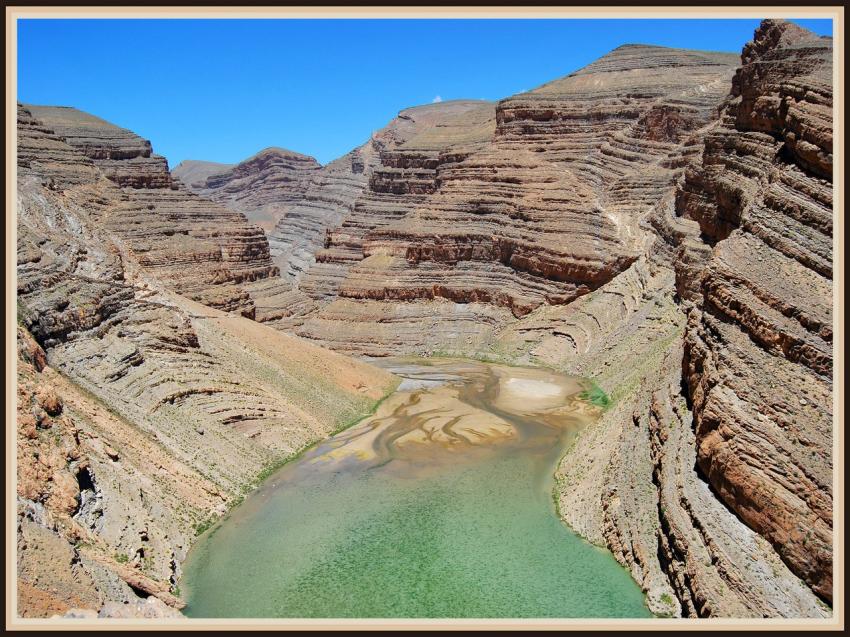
662	223
197	248
318	240
501	213
262	187
657	221
711	475
142	415
758	345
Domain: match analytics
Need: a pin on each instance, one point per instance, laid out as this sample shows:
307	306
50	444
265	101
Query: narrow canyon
657	225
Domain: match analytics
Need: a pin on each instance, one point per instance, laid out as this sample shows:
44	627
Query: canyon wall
659	221
142	414
711	474
493	214
758	344
197	248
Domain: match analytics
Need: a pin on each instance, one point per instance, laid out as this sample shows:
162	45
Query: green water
441	532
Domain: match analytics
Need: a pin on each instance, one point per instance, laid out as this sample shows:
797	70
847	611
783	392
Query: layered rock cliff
495	214
199	249
262	187
711	474
303	241
758	344
142	415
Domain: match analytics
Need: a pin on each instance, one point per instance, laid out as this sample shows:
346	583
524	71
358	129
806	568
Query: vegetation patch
203	525
596	396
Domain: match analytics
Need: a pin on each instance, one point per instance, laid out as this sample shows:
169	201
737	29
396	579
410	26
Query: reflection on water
439	505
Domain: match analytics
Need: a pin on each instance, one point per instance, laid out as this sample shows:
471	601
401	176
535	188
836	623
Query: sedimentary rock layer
710	477
657	221
389	174
536	204
327	201
142	415
198	248
759	354
262	187
722	220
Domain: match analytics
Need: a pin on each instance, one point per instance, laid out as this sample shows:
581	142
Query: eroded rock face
327	201
142	415
536	203
199	249
658	221
655	222
759	338
262	187
121	155
737	413
398	171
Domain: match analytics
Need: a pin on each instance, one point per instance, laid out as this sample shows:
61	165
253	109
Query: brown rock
261	187
763	330
49	400
657	221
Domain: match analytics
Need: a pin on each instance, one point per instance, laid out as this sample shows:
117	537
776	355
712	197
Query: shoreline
550	487
267	473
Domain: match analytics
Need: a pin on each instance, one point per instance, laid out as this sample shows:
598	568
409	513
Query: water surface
440	505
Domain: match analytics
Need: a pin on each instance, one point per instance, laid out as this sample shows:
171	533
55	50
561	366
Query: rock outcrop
262	187
758	347
660	221
142	415
199	249
710	477
327	201
537	203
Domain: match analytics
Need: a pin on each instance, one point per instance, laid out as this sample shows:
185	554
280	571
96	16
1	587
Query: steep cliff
660	221
711	473
199	249
758	345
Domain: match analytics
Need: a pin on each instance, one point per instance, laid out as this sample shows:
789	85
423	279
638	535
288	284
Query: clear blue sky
221	90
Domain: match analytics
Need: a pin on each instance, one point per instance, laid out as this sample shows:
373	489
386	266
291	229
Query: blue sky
222	90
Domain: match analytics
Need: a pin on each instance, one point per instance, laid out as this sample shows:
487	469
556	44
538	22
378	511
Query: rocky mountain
711	472
659	221
758	343
262	187
627	222
469	226
199	249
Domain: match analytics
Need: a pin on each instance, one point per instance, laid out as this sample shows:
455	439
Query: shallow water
440	505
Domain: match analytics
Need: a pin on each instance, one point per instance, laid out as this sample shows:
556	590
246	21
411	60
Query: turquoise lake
440	505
